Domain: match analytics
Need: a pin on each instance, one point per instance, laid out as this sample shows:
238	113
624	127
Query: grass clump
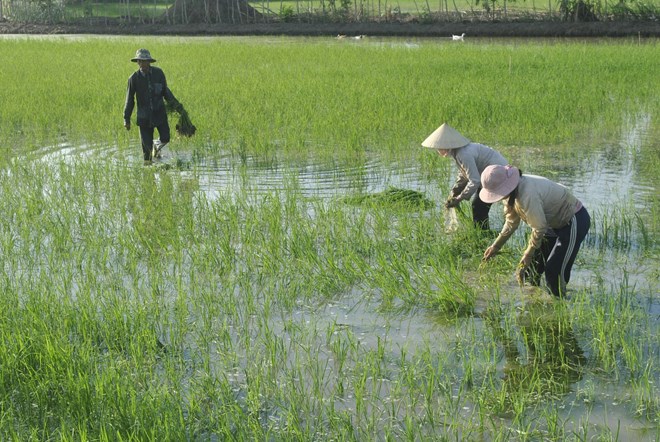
392	197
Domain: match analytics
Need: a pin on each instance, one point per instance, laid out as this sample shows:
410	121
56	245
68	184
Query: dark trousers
557	253
480	212
147	138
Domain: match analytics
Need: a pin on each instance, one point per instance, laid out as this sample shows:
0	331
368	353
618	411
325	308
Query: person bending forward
471	159
558	220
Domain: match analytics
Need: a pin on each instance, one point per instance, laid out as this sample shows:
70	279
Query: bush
287	14
41	11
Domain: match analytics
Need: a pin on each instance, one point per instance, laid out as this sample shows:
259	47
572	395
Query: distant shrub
287	14
635	10
39	11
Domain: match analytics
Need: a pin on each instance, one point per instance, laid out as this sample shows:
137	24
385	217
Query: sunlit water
606	178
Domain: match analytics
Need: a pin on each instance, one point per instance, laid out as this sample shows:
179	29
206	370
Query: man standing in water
149	85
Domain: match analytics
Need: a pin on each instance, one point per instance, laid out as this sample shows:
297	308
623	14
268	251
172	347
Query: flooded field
230	291
587	400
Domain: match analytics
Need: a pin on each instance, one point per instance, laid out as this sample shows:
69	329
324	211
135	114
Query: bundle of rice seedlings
392	196
184	126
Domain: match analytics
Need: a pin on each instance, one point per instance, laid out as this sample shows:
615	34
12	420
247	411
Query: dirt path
473	29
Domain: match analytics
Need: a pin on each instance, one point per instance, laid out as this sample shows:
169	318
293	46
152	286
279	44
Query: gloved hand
452	202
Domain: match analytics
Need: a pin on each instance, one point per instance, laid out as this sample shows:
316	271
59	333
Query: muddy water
604	178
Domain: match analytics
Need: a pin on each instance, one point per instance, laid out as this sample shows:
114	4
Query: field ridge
474	29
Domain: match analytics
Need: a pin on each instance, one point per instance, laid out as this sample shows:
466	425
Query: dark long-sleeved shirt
150	90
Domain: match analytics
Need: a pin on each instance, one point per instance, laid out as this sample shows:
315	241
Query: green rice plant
542	360
154	303
409	199
350	111
619	339
451	295
645	395
621	228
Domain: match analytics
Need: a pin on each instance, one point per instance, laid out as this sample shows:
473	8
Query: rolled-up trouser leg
560	262
163	136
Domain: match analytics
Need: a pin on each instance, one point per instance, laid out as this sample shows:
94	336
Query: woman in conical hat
471	159
558	220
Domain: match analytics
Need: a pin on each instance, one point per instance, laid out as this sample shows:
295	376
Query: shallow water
605	177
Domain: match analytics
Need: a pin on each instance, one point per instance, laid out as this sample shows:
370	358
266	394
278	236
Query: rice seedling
162	303
407	198
350	109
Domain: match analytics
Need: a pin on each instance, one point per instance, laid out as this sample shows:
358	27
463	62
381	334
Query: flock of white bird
361	36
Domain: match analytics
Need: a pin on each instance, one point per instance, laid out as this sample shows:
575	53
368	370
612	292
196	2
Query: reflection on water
607	179
541	352
317	180
609	176
542	358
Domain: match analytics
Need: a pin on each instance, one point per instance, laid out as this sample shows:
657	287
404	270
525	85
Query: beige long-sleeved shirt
543	205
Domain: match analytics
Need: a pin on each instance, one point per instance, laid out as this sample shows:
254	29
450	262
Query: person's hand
521	270
490	252
526	260
520	274
452	202
127	125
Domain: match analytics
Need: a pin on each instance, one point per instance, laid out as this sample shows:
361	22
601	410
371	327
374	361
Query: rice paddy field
288	274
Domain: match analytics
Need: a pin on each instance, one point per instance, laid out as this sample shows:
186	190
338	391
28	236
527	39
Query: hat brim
150	60
445	137
502	191
445	146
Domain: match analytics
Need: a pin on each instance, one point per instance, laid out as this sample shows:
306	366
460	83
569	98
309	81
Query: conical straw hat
445	137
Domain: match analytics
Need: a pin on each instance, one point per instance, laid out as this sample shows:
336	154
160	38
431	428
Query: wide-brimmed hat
143	54
497	182
445	137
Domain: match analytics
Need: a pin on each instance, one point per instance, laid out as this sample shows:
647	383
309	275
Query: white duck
458	37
